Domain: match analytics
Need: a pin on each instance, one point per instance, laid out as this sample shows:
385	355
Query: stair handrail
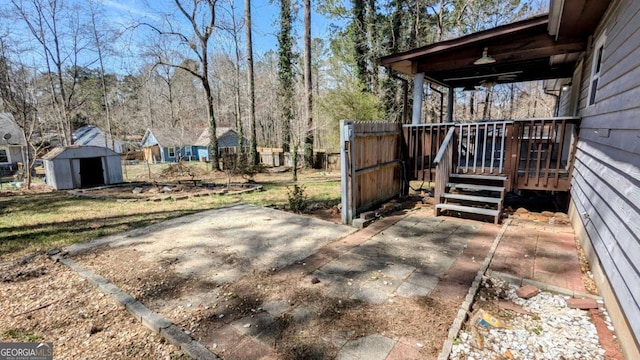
443	163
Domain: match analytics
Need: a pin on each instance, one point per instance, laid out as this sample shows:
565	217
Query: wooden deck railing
532	153
443	163
544	150
422	143
481	147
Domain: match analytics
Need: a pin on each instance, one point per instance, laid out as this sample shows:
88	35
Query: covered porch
473	164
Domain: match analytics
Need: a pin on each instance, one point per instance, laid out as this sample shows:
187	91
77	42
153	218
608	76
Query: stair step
468	209
485	199
478	177
475	187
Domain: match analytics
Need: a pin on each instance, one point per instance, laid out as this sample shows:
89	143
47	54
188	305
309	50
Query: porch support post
418	89
450	99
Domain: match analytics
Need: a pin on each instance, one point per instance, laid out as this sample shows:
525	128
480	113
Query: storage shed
75	166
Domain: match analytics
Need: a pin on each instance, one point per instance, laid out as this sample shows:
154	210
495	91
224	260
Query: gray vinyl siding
606	177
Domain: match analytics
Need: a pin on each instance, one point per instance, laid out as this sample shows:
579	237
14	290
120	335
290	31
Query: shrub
297	198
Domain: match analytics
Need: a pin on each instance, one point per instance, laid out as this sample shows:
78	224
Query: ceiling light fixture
485	59
566	86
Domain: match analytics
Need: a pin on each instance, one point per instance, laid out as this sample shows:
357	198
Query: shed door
91	172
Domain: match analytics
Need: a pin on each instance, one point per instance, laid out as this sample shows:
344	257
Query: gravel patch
542	327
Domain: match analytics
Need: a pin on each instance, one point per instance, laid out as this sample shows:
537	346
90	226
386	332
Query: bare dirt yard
42	301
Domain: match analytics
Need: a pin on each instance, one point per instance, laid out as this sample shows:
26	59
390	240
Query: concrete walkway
541	252
415	257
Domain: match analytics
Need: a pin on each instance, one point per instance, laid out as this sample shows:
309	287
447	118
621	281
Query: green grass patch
41	221
21	335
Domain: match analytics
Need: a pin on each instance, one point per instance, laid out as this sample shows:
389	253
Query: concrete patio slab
372	347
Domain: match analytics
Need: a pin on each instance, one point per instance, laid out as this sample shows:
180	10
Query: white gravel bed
551	331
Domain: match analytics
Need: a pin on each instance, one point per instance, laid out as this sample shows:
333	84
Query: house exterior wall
14	154
201	153
150	140
165	155
605	190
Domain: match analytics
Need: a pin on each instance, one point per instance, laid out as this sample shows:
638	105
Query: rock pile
551	330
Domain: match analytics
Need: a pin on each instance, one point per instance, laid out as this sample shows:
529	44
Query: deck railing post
503	153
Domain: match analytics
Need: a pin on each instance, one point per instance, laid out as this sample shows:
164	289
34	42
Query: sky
264	14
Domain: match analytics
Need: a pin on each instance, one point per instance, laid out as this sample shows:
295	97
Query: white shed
72	167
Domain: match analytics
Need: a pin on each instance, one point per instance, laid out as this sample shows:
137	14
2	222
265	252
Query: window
596	68
172	152
4	157
187	151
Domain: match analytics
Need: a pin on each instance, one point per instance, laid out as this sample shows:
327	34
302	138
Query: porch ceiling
524	51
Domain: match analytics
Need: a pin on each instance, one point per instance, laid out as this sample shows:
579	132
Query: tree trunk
253	146
213	143
372	40
360	41
511	96
308	140
285	73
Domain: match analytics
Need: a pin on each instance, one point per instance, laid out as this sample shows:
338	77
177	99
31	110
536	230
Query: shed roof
78	152
10	133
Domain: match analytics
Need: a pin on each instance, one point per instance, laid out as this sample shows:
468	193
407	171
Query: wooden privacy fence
371	165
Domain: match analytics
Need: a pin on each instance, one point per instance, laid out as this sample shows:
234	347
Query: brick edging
152	320
468	300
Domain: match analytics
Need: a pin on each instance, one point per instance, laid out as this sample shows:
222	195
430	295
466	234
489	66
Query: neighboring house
589	54
172	145
92	135
12	144
227	141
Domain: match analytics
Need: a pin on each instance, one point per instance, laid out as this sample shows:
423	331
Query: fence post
347	170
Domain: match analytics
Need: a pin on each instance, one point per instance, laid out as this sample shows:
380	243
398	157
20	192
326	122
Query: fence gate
371	165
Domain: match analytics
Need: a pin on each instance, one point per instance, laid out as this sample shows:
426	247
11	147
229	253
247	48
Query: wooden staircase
473	194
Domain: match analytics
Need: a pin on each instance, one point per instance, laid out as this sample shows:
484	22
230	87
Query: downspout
405	97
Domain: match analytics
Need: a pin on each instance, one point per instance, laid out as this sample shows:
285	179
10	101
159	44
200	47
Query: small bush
297	198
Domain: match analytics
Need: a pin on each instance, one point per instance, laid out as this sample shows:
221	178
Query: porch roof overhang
539	48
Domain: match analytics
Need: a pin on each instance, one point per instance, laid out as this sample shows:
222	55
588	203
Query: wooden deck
533	154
